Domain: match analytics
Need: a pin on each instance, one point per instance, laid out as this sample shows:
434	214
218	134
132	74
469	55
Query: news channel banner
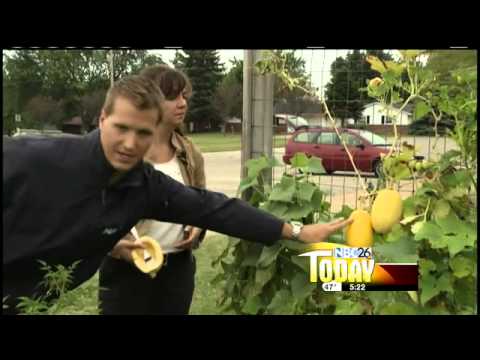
340	267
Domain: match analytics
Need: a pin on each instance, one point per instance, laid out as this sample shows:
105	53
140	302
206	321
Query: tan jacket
192	167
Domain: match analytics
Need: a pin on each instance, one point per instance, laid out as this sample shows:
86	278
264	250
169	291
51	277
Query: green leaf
379	298
426	266
284	190
407	220
253	254
252	305
247	183
297	212
402	250
401	172
263	275
398	309
305	191
282	303
445	282
428	288
255	166
348	307
276	208
376	64
302	261
317	200
457	243
427	230
462	266
294	245
409	208
315	166
421	109
466	291
269	254
299	160
441	209
456	192
406	155
397	233
397	68
301	286
344	212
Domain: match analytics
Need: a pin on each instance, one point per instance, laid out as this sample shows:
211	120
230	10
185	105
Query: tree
229	94
65	76
443	62
205	72
350	74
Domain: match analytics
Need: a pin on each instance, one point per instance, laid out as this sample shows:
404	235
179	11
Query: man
70	199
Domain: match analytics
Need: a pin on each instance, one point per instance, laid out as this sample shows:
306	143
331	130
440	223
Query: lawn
215	142
205	295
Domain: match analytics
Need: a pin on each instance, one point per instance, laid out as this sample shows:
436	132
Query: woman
124	288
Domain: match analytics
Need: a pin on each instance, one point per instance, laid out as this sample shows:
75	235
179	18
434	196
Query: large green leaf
252	305
402	250
398	309
456	243
284	190
302	261
269	254
428	288
466	292
397	233
264	275
299	160
317	200
426	266
305	191
276	208
255	166
376	64
247	183
441	209
348	307
421	109
298	211
462	266
253	254
428	230
315	166
301	286
282	303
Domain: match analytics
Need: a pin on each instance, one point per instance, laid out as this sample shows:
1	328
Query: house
379	118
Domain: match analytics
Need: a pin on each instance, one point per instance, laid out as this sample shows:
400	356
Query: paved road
223	173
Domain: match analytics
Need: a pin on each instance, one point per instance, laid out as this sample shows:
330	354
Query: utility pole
257	122
110	58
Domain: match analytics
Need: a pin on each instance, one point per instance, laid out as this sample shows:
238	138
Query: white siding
374	112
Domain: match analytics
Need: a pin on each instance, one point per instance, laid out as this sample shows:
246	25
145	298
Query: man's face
126	133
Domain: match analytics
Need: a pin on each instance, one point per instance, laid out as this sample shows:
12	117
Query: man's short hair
141	91
171	81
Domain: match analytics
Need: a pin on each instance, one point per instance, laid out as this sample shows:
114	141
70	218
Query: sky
317	61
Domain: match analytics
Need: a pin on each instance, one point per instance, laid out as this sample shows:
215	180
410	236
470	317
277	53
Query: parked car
292	122
324	143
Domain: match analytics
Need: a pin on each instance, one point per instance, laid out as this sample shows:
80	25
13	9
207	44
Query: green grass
204	297
215	142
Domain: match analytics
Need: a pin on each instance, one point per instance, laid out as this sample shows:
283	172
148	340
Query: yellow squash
386	210
359	232
154	250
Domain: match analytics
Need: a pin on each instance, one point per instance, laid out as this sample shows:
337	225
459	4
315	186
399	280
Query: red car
324	143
